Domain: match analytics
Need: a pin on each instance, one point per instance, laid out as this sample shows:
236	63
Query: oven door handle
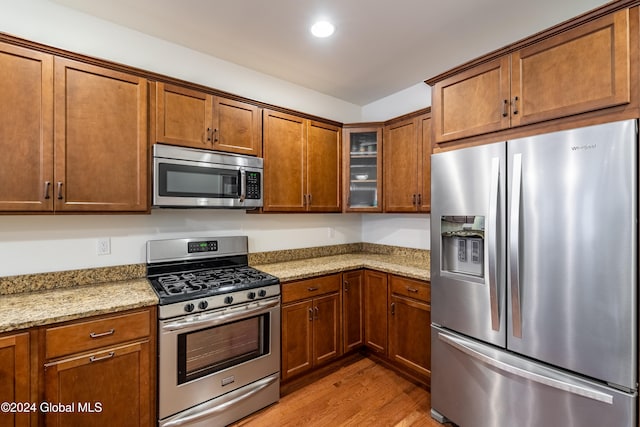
213	319
235	397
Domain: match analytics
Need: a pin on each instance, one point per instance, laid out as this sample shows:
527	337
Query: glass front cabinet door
363	169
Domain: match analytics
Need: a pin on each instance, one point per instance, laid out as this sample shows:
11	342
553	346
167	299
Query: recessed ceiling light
322	29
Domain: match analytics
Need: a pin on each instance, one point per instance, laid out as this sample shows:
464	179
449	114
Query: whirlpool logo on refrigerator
584	147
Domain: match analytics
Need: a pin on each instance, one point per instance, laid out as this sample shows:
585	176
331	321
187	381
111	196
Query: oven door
209	354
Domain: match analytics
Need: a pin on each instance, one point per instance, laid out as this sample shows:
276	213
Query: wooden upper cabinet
100	139
183	116
191	118
284	162
323	167
362	169
472	102
582	69
301	164
424	173
237	127
407	165
26	129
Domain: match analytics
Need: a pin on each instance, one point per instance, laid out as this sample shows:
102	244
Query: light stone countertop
306	268
43	299
25	310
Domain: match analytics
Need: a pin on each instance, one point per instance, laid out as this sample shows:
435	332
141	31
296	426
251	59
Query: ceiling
379	47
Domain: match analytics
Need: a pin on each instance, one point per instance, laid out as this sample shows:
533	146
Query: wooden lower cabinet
389	315
311	324
15	384
352	310
105	375
375	311
108	387
409	324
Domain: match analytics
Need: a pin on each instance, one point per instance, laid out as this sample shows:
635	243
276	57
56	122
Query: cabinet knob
505	108
515	105
209	134
393	308
346	286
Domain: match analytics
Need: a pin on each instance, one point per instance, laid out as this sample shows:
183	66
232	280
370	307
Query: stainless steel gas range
218	331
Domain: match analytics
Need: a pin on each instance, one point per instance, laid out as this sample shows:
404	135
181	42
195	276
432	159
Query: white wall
408	230
36	244
41	243
406	101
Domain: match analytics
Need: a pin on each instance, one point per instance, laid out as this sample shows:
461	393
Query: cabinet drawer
411	288
92	334
310	288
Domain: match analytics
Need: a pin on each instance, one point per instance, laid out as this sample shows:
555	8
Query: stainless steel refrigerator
534	280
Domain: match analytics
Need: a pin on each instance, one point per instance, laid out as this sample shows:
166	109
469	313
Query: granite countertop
42	299
46	301
404	263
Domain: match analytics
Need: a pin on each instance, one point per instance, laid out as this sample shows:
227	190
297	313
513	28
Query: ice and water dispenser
463	245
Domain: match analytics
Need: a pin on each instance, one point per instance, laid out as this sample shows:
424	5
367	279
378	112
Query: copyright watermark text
51	407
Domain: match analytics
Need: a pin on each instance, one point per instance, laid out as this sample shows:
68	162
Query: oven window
213	349
196	181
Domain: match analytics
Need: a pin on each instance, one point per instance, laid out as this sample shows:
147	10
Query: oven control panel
208	246
217	302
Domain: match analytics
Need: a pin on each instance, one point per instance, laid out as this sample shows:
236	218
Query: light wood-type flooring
360	393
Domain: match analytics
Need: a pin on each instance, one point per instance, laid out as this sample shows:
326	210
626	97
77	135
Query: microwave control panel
253	185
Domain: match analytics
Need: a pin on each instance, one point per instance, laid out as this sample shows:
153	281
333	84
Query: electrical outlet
104	246
332	232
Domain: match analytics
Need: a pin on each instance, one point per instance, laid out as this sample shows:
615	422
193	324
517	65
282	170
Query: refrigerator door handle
492	241
514	246
576	389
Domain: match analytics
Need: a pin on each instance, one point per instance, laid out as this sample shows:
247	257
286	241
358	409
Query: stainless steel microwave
193	178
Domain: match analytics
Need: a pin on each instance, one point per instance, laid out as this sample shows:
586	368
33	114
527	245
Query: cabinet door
183	116
583	69
362	174
376	310
297	338
14	375
109	387
352	312
100	139
473	102
410	334
26	129
237	127
284	162
424	172
323	167
326	328
401	167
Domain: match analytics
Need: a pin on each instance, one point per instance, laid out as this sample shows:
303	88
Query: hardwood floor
360	393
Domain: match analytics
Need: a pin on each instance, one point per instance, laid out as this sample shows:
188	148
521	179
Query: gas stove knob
189	308
262	293
228	300
202	305
251	295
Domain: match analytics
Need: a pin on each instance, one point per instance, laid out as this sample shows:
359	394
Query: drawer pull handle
103	334
414	290
312	289
97	359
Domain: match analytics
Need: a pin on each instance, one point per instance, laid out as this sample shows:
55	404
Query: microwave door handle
243	185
